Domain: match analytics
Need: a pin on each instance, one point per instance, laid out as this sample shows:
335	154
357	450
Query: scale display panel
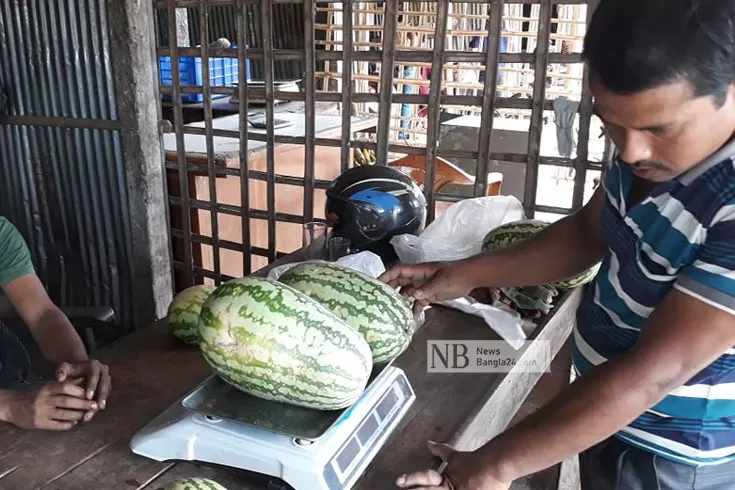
352	456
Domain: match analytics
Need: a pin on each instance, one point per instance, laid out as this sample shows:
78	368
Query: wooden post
132	53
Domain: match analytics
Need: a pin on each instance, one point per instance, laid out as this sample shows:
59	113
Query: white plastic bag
365	262
458	234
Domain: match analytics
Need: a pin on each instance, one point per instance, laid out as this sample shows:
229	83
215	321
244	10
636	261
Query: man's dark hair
633	45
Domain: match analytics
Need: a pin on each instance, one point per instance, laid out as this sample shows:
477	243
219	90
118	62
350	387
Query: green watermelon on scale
192	483
271	341
376	310
183	312
516	231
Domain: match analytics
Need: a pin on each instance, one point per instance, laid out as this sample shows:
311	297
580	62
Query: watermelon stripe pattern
272	341
517	231
194	483
183	312
371	307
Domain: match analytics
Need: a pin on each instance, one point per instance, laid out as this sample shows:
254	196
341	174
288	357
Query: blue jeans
15	363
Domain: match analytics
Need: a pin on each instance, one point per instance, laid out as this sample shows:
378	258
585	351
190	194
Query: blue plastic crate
223	72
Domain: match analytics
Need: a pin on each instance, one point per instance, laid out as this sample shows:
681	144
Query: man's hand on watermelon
430	282
93	376
464	471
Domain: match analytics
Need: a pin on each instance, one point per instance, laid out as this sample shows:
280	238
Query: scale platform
308	449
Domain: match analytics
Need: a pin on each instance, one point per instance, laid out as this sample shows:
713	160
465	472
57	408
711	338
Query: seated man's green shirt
15	258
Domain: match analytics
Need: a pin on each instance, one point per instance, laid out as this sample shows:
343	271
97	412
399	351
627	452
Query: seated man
82	385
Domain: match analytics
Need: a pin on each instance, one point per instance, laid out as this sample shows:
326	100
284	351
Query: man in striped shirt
654	344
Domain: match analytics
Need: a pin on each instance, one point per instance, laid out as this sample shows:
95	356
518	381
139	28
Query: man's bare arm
672	348
565	248
51	328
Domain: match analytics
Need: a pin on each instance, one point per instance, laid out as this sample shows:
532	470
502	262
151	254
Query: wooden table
150	371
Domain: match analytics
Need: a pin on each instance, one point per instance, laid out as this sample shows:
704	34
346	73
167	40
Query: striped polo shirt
681	236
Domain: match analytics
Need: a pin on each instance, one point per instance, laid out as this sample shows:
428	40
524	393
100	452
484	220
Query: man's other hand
49	406
95	378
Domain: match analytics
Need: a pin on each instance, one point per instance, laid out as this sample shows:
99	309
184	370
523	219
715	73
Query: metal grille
225	202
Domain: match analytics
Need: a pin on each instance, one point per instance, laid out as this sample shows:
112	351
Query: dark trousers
15	363
615	465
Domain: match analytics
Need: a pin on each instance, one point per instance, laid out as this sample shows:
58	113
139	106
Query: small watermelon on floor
183	312
193	483
517	231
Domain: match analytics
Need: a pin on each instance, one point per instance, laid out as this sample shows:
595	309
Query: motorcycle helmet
370	204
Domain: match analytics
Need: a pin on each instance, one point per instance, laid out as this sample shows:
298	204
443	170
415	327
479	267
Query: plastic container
223	72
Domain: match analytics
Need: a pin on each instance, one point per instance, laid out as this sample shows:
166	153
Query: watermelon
274	342
183	312
193	483
516	231
376	310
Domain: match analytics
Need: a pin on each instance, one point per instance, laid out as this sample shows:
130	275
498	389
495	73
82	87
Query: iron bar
347	86
193	3
468	100
267	19
385	89
539	93
310	110
583	139
489	97
418	56
243	106
432	135
180	148
208	127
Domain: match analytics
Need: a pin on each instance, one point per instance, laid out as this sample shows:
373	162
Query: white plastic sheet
457	234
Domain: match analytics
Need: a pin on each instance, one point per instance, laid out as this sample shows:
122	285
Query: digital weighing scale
308	449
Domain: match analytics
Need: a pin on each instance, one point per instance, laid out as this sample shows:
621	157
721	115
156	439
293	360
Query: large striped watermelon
183	312
370	306
274	342
516	231
193	483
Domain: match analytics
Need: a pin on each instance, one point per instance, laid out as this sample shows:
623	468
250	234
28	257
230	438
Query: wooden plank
493	416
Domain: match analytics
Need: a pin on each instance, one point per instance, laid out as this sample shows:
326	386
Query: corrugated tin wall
62	174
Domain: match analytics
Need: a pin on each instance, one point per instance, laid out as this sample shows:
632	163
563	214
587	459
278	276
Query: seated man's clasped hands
80	387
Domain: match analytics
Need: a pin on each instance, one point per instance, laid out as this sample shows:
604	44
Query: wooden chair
445	173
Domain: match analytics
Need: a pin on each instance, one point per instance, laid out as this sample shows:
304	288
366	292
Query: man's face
663	132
